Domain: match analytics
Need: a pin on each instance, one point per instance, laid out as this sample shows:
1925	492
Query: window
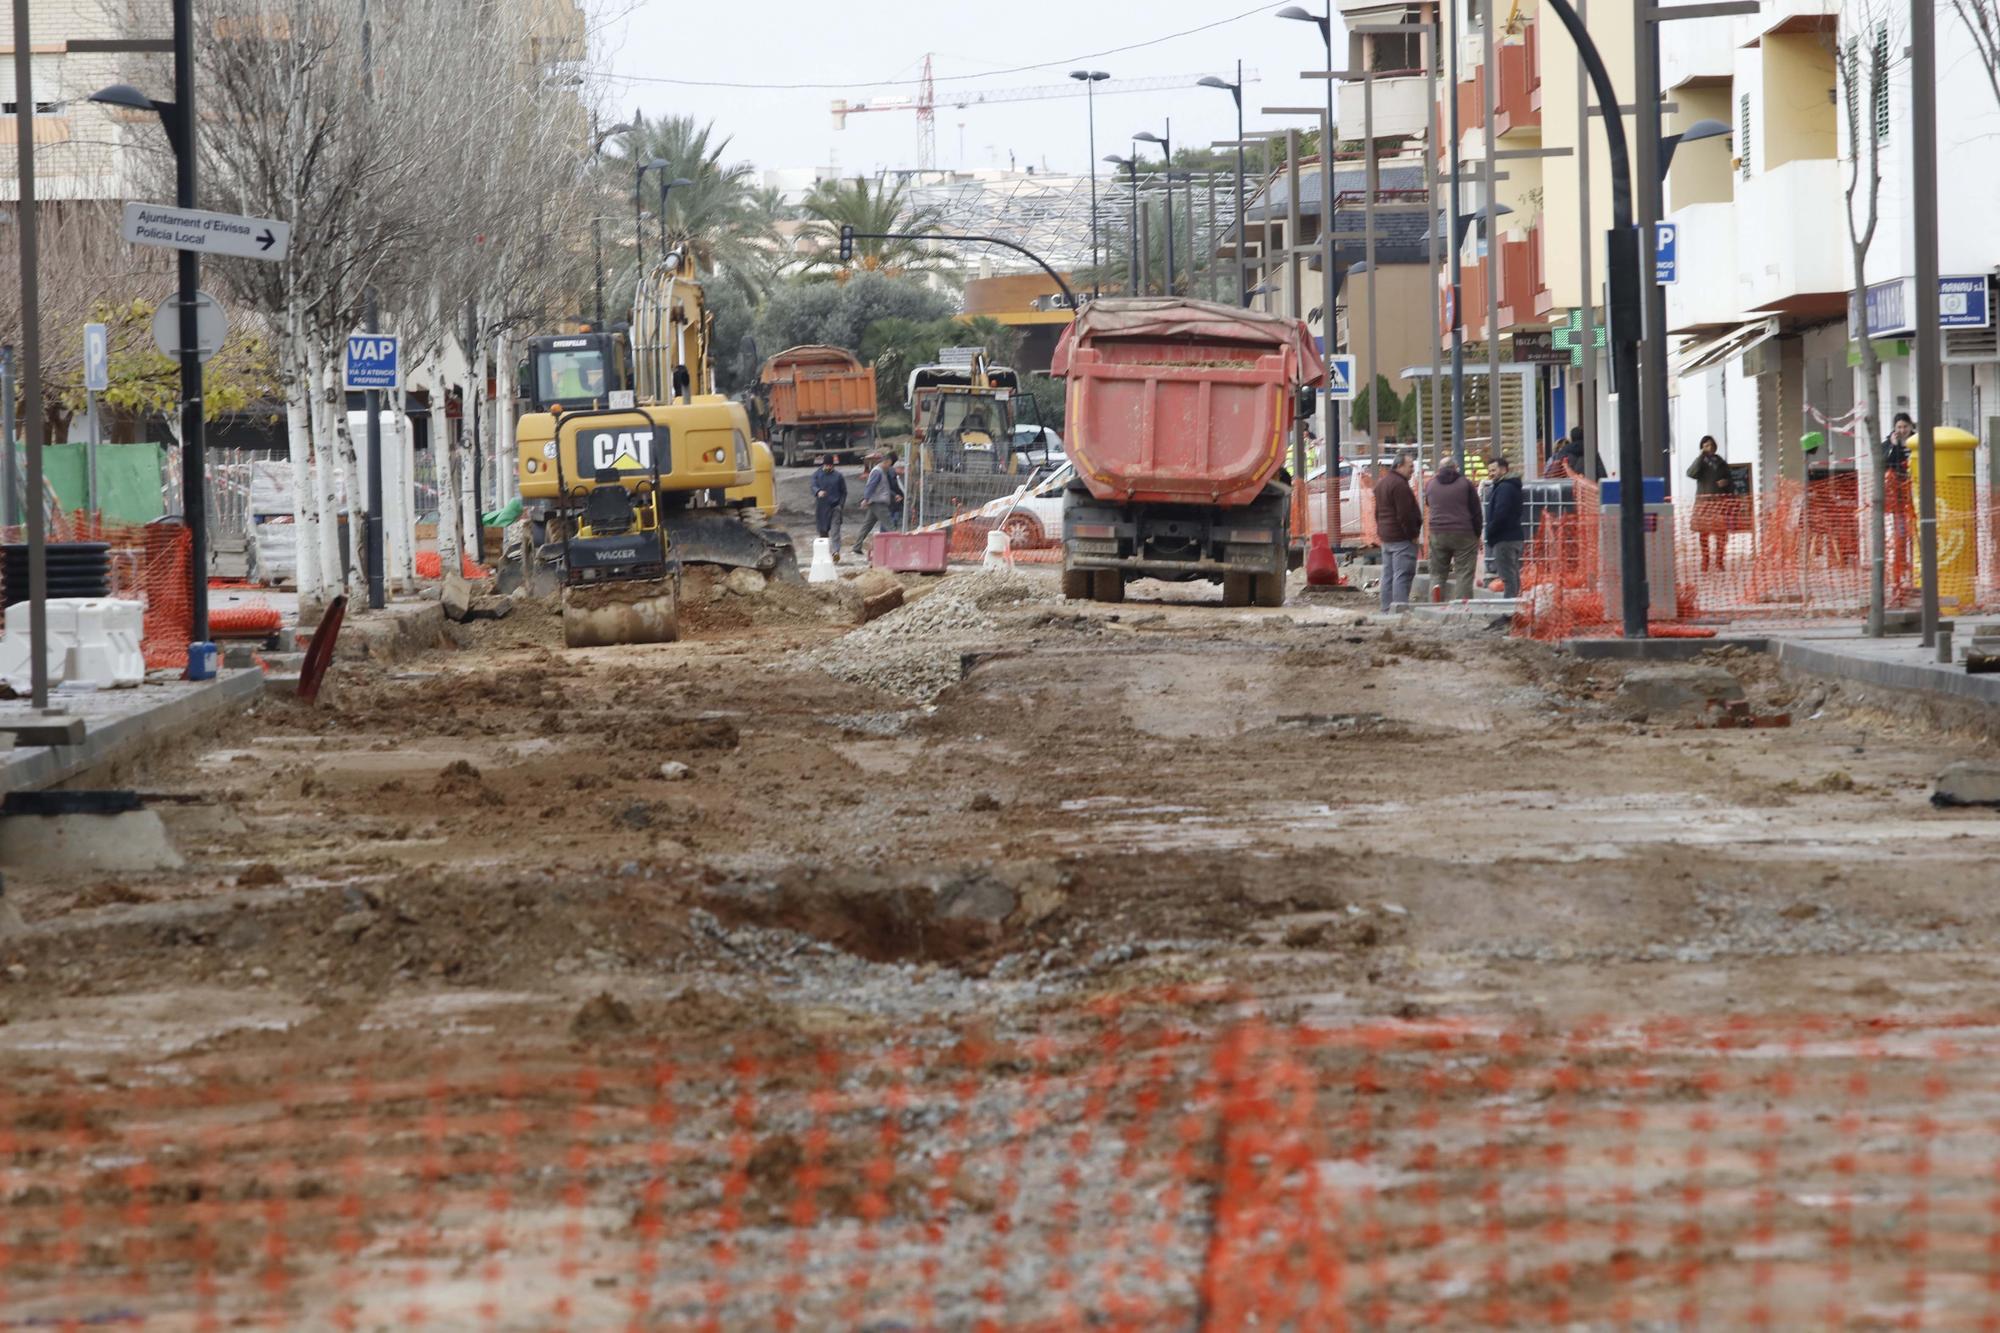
1743	136
570	377
1878	80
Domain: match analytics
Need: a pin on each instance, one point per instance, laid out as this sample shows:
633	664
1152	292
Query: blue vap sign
373	361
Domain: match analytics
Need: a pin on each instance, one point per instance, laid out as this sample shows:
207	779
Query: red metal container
816	386
1182	402
910	552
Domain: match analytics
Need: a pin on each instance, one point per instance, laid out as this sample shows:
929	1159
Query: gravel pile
914	651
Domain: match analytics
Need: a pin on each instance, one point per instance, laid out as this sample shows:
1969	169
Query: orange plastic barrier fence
1158	1168
430	565
1794	553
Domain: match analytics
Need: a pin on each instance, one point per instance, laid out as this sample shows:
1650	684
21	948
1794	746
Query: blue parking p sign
373	361
1666	252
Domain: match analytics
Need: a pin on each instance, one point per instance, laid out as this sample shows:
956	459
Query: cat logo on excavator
622	451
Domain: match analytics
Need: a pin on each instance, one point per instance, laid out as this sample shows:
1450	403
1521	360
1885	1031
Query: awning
1733	343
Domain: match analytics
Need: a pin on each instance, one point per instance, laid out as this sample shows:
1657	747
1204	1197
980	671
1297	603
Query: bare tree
1863	60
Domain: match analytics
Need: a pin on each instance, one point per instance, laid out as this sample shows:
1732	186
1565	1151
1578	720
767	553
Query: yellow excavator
634	466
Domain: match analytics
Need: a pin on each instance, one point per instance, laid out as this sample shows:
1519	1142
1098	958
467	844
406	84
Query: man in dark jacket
1453	502
829	500
879	496
1400	524
1505	533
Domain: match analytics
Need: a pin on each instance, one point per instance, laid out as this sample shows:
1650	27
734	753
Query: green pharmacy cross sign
1568	337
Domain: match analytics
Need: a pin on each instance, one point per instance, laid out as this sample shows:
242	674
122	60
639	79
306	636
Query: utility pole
31	353
1456	241
1490	229
1930	387
1586	388
1646	186
10	476
194	448
371	321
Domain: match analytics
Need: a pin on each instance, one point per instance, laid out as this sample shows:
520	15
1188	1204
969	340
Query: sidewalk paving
118	723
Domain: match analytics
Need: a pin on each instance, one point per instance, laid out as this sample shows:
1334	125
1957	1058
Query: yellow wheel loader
631	467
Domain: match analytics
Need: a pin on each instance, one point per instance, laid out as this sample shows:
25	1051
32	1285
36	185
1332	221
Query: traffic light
846	243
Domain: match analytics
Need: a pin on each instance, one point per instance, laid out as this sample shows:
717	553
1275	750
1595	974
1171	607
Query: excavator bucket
629	611
724	537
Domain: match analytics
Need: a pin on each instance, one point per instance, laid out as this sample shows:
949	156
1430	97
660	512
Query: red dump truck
1179	423
816	400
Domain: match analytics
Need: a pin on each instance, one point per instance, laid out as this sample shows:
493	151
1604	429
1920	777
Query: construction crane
926	102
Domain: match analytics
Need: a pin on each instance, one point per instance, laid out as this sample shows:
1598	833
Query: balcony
1788	257
1707	293
1518	96
1517	103
1400	110
1519	273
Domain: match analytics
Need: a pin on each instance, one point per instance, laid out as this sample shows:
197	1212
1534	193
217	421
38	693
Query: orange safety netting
149	563
430	565
1171	1164
1796	552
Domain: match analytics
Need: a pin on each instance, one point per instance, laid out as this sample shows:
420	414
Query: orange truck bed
818	386
1182	402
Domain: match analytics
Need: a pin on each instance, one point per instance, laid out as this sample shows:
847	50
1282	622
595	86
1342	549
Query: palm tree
874	208
717	219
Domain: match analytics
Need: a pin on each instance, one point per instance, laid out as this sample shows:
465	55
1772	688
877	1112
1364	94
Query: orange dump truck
1180	417
817	400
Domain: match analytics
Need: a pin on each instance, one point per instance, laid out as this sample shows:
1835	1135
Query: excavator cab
578	372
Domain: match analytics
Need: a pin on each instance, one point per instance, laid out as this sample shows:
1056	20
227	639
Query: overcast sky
862	43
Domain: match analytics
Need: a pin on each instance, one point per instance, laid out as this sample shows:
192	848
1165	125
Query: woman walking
1714	485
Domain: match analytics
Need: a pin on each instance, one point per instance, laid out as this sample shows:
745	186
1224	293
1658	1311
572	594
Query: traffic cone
1322	570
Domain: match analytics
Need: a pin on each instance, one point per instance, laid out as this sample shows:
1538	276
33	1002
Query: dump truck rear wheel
1076	584
1236	589
1107	585
1270	589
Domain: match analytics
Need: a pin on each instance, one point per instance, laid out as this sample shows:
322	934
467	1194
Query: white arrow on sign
206	233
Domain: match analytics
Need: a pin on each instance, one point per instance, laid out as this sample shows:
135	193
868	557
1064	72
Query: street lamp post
598	141
178	118
667	187
1090	78
1235	90
1131	165
1624	310
1327	192
1166	143
639	170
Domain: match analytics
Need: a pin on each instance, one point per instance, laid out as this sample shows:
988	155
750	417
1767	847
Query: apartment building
78	152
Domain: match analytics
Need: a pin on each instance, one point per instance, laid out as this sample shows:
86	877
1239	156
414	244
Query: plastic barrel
75	569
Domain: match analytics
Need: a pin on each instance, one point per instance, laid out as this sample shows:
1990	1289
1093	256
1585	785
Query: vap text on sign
373	361
206	233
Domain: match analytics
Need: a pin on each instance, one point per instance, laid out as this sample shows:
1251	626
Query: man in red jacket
1455	523
1400	524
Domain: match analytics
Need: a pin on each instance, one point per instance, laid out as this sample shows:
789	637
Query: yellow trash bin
1957	515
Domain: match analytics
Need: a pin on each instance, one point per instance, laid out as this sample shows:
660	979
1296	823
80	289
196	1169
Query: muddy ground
476	862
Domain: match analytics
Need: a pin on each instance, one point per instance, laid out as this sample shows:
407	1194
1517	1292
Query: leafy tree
1052	397
873	207
897	346
146	383
1383	393
839	314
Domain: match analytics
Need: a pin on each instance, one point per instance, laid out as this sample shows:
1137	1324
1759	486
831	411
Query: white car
1355	473
1036	520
